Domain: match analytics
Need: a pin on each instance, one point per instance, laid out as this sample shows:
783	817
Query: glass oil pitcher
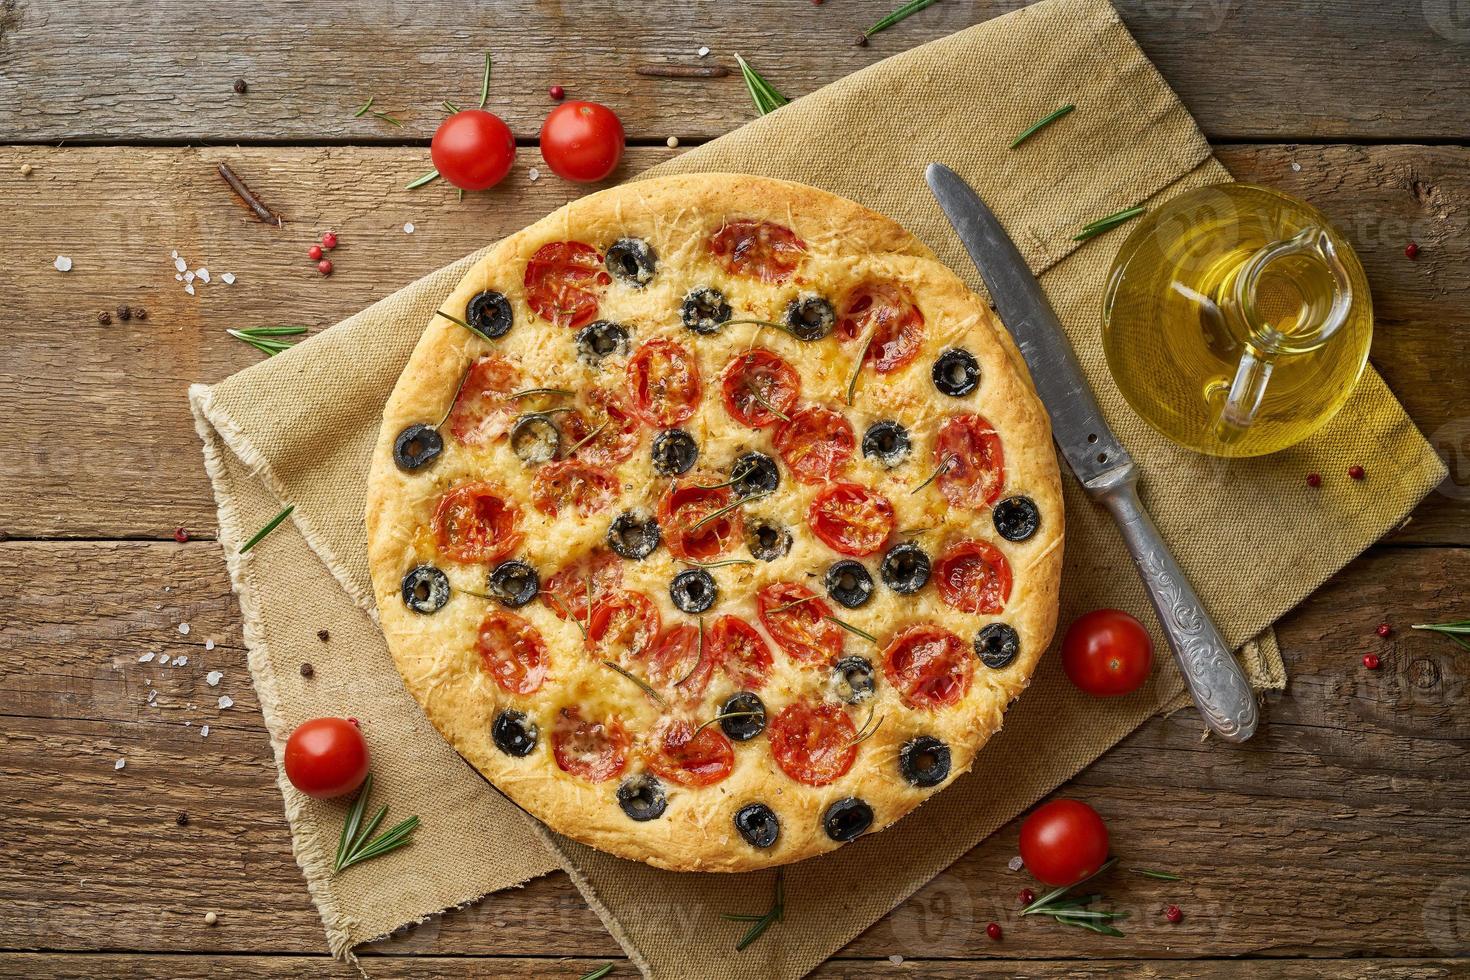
1236	320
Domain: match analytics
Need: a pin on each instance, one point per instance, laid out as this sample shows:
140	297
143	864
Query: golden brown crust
846	245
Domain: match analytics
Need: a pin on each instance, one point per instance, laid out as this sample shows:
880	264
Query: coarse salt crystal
184	628
225	701
174	254
181	661
163	660
202	273
1296	166
213	677
119	763
534	174
146	658
895	959
228	278
179	263
209	644
204	731
703	52
62	263
188	724
152	695
178	278
1015	863
408	228
189	288
189	277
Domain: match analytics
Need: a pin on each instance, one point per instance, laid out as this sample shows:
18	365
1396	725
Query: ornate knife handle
1215	680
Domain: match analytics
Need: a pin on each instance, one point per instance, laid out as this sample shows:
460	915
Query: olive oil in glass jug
1236	320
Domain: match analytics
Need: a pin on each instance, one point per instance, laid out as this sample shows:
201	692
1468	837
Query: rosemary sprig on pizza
647	573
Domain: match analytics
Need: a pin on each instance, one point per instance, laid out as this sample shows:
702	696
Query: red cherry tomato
475	523
582	141
850	518
760	249
512	652
684	507
326	757
813	743
758	385
481	412
681	662
664	380
564	281
1107	653
974	577
817	444
973	470
599	444
565	593
740	651
887	312
798	621
1063	842
473	149
594	750
623	625
928	666
572	483
682	757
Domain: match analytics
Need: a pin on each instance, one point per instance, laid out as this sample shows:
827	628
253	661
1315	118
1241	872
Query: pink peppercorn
557	92
1314	480
314	253
329	240
1174	914
181	535
1371	661
1357	472
1384	629
993	931
324	267
1411	250
1027	896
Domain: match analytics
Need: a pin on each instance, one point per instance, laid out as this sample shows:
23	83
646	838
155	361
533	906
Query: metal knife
1100	462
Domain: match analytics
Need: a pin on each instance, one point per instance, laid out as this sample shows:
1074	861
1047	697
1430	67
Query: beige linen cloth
298	428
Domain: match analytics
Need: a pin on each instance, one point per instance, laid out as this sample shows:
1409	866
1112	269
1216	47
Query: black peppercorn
240	87
307	670
104	318
182	819
124	313
140	313
323	635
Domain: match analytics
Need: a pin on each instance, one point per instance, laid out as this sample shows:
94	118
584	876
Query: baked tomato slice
886	312
973	577
607	433
512	652
686	517
812	743
928	666
760	249
663	380
850	518
592	750
817	444
740	651
972	468
564	281
623	625
571	483
481	412
565	592
682	662
759	388
799	621
681	756
476	523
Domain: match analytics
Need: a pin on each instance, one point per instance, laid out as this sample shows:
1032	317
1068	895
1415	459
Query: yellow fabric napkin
299	427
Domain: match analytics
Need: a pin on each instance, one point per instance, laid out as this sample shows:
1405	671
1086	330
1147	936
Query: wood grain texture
118	213
1342	821
163	71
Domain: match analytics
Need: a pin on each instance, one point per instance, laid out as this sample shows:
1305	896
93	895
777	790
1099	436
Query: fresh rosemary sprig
556	601
864	733
484	97
275	522
420	182
762	93
722	717
365	107
715	515
898	14
264	339
761	400
718	564
1156	875
1456	631
760	923
450	107
358	844
1072	912
735	477
388	119
852	629
587	438
1041	124
763	323
789	605
699	659
454	319
605	968
527	393
945	462
861	359
647	688
1107	224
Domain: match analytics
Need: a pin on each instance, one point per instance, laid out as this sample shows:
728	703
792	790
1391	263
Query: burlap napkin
298	428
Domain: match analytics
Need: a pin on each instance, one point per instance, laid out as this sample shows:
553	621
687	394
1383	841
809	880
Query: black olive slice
633	535
847	819
956	372
810	317
693	590
1016	518
754	473
601	338
886	442
535	439
758	824
997	645
416	446
765	540
425	589
704	310
513	733
924	761
631	260
905	568
746	726
674	452
642	797
514	583
849	583
852	680
489	313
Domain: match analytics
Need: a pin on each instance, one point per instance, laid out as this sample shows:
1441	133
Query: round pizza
715	522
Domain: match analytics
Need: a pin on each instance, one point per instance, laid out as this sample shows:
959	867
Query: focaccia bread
715	522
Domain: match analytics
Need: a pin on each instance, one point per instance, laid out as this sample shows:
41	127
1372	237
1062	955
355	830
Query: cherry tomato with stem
473	149
1063	842
582	141
327	757
1107	653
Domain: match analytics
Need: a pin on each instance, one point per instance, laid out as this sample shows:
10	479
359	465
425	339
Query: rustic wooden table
1333	844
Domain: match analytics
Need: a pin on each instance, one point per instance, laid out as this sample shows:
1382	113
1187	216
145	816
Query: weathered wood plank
164	71
98	435
1346	811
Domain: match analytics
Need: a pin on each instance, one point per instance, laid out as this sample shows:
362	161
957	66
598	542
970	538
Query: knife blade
1104	468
